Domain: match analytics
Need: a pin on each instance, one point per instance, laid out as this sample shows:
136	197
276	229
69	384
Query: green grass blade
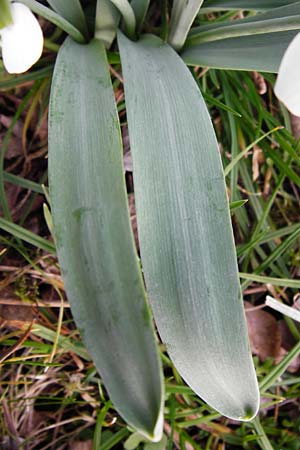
237	204
286	282
98	429
26	235
93	235
273	235
186	239
4	147
65	344
115	439
182	17
279	369
22	182
240	156
263	440
213	101
11	81
72	11
278	251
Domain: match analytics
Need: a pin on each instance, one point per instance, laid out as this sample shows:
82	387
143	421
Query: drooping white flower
22	41
287	87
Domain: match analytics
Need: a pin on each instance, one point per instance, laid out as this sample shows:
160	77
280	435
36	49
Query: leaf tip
156	434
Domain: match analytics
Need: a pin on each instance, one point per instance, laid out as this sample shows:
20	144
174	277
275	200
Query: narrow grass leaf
64	343
271	280
284	166
278	251
281	232
98	428
237	204
93	235
114	440
26	235
230	166
279	369
186	239
263	439
22	182
213	101
11	81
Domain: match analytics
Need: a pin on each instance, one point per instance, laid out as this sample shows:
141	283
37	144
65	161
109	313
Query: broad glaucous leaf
182	16
94	240
248	5
185	233
254	51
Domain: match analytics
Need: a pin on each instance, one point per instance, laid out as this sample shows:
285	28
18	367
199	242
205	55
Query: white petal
287	87
22	42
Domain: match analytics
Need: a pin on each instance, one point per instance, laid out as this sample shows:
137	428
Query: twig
41	303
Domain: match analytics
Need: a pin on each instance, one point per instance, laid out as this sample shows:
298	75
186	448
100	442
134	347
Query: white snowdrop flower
22	41
287	87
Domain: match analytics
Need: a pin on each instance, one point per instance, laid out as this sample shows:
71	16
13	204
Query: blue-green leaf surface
106	22
249	5
93	235
285	18
261	52
71	10
185	233
140	8
182	17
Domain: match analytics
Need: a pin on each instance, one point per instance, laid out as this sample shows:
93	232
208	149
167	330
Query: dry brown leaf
257	160
264	333
132	212
260	83
81	445
15	316
295	124
267	182
288	342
